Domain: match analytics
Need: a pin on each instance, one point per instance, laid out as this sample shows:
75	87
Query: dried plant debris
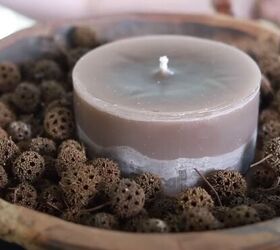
44	166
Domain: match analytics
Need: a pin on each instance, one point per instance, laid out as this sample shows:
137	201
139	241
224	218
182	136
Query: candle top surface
202	76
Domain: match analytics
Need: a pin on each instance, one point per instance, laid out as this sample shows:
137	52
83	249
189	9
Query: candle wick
163	66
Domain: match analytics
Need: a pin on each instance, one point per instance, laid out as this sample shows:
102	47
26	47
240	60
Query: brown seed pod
227	184
69	158
272	153
43	146
267	115
3	134
71	144
8	151
240	200
59	123
73	55
151	185
174	222
195	197
79	185
219	213
24	195
66	102
51	200
3	178
127	198
163	206
131	224
84	36
264	211
200	219
6	115
19	131
103	220
76	216
28	166
46	69
109	172
261	176
241	215
9	76
26	97
269	62
153	225
270	129
52	90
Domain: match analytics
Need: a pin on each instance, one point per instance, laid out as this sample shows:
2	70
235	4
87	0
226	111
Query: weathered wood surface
39	231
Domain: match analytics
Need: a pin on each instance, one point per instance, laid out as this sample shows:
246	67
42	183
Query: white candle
196	110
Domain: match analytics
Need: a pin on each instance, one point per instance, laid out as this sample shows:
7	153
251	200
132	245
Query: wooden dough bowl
35	230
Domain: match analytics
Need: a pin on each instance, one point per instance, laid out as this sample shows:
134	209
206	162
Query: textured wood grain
39	231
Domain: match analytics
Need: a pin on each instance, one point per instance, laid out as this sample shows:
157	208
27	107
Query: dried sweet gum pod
109	172
270	129
241	215
43	146
10	76
103	220
51	200
3	134
200	219
24	195
52	90
261	176
84	36
59	123
28	166
79	185
26	97
46	69
73	55
272	152
71	144
6	115
195	197
227	184
151	185
264	211
163	206
19	131
8	151
127	198
3	177
153	225
70	158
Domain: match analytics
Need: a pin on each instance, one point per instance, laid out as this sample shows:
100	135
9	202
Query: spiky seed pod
3	177
52	90
28	166
151	185
43	146
79	185
200	219
26	97
46	69
103	220
127	198
227	184
272	152
153	225
59	123
69	158
264	211
241	215
261	176
19	131
7	115
83	36
8	151
195	197
24	195
270	129
10	76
